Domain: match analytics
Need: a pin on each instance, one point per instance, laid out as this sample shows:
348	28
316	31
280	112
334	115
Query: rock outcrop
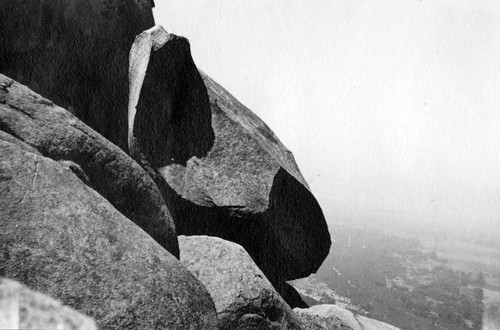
60	237
326	317
243	297
73	202
21	308
75	53
242	186
57	134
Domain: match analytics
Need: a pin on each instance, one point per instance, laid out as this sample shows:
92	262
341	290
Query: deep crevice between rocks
258	234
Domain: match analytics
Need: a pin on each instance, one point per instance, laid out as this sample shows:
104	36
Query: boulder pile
225	172
113	143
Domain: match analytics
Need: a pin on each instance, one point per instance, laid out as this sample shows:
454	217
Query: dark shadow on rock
291	207
261	234
290	295
173	119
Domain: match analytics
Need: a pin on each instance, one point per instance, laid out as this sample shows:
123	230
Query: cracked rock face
22	308
243	297
236	180
60	237
57	134
75	53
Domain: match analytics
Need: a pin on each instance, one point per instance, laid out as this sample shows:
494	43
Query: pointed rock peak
169	118
152	39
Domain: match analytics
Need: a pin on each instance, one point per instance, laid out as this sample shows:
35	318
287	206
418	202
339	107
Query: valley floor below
412	282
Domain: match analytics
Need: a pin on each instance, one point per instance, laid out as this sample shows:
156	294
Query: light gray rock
22	308
60	237
326	317
243	297
9	138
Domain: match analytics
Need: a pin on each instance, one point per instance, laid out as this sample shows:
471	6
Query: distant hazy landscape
412	276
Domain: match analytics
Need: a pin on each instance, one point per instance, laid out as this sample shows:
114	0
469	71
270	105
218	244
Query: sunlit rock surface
325	317
60	237
57	134
243	296
22	308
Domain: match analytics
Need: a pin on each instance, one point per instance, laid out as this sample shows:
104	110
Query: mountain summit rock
237	181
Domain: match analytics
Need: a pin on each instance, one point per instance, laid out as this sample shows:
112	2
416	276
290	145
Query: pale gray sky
386	105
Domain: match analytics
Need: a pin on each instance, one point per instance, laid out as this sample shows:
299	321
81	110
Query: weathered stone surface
248	190
242	186
243	297
60	237
326	317
9	138
75	53
59	135
21	308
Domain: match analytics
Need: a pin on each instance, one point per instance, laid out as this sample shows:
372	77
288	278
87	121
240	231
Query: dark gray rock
242	186
75	53
59	135
243	297
169	111
60	237
22	308
291	296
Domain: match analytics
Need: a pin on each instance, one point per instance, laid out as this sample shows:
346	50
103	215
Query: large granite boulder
75	53
243	297
57	134
60	237
327	317
237	182
21	308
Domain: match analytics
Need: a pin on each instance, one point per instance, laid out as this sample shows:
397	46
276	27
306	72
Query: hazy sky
386	105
